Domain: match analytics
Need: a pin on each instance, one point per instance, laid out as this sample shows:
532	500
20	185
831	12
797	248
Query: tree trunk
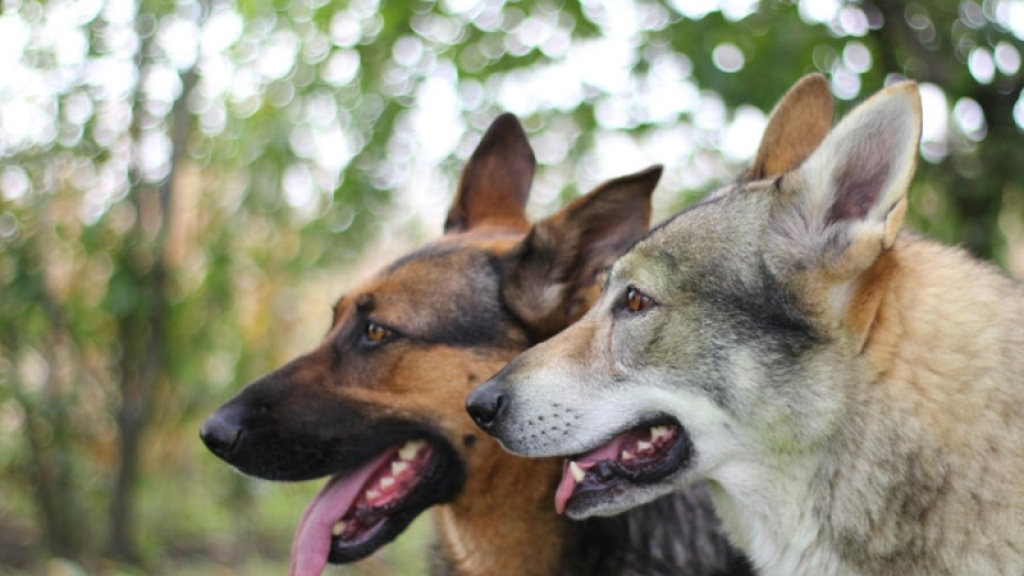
54	493
48	434
142	333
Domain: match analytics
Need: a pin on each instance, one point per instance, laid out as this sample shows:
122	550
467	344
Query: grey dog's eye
636	301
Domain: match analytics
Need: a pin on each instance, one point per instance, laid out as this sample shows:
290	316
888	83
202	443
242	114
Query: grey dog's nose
486	404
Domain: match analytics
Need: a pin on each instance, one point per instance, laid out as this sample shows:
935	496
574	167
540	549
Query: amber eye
636	301
376	333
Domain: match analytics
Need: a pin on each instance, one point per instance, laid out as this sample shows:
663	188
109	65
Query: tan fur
940	400
507	526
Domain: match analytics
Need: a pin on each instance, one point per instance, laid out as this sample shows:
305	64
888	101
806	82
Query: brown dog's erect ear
797	125
496	181
552	276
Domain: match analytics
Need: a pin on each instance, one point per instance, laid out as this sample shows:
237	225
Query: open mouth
359	511
637	456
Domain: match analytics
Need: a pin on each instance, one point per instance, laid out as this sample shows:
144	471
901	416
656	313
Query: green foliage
174	173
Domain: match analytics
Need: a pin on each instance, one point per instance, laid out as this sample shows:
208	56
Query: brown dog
379	404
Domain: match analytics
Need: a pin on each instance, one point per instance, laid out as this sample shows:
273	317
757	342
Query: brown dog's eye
376	333
636	301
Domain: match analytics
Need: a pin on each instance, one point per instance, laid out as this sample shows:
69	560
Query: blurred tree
141	265
171	171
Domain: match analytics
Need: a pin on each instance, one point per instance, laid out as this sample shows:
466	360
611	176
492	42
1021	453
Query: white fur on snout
548	413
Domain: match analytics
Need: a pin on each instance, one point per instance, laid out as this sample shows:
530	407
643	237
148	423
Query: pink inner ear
858	184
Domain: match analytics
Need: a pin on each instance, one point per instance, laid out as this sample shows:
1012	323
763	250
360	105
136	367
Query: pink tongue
567	485
565	489
312	543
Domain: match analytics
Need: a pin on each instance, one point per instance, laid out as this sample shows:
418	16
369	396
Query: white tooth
642	446
339	528
386	482
372	494
577	473
627	456
658	432
410	448
398	467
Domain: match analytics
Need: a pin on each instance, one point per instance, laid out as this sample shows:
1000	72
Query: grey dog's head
719	337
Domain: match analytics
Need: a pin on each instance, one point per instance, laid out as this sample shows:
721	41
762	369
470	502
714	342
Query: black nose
221	432
486	404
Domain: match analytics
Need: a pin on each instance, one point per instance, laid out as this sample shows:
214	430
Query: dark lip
282	453
441	482
608	479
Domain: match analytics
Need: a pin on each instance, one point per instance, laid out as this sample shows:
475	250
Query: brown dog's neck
504	522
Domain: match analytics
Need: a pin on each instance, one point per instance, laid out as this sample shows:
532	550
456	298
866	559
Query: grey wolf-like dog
853	394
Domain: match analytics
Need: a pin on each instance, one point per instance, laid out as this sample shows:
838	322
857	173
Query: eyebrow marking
364	303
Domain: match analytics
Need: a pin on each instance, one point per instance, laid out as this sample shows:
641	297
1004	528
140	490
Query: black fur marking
676	534
468	311
364	304
337	355
484	320
759	310
767	309
499	267
476	329
719	390
469	440
291	431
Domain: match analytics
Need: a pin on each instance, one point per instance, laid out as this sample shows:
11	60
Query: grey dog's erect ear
797	125
552	276
847	200
496	181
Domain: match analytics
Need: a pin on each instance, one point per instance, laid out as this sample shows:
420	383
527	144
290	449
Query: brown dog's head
378	405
